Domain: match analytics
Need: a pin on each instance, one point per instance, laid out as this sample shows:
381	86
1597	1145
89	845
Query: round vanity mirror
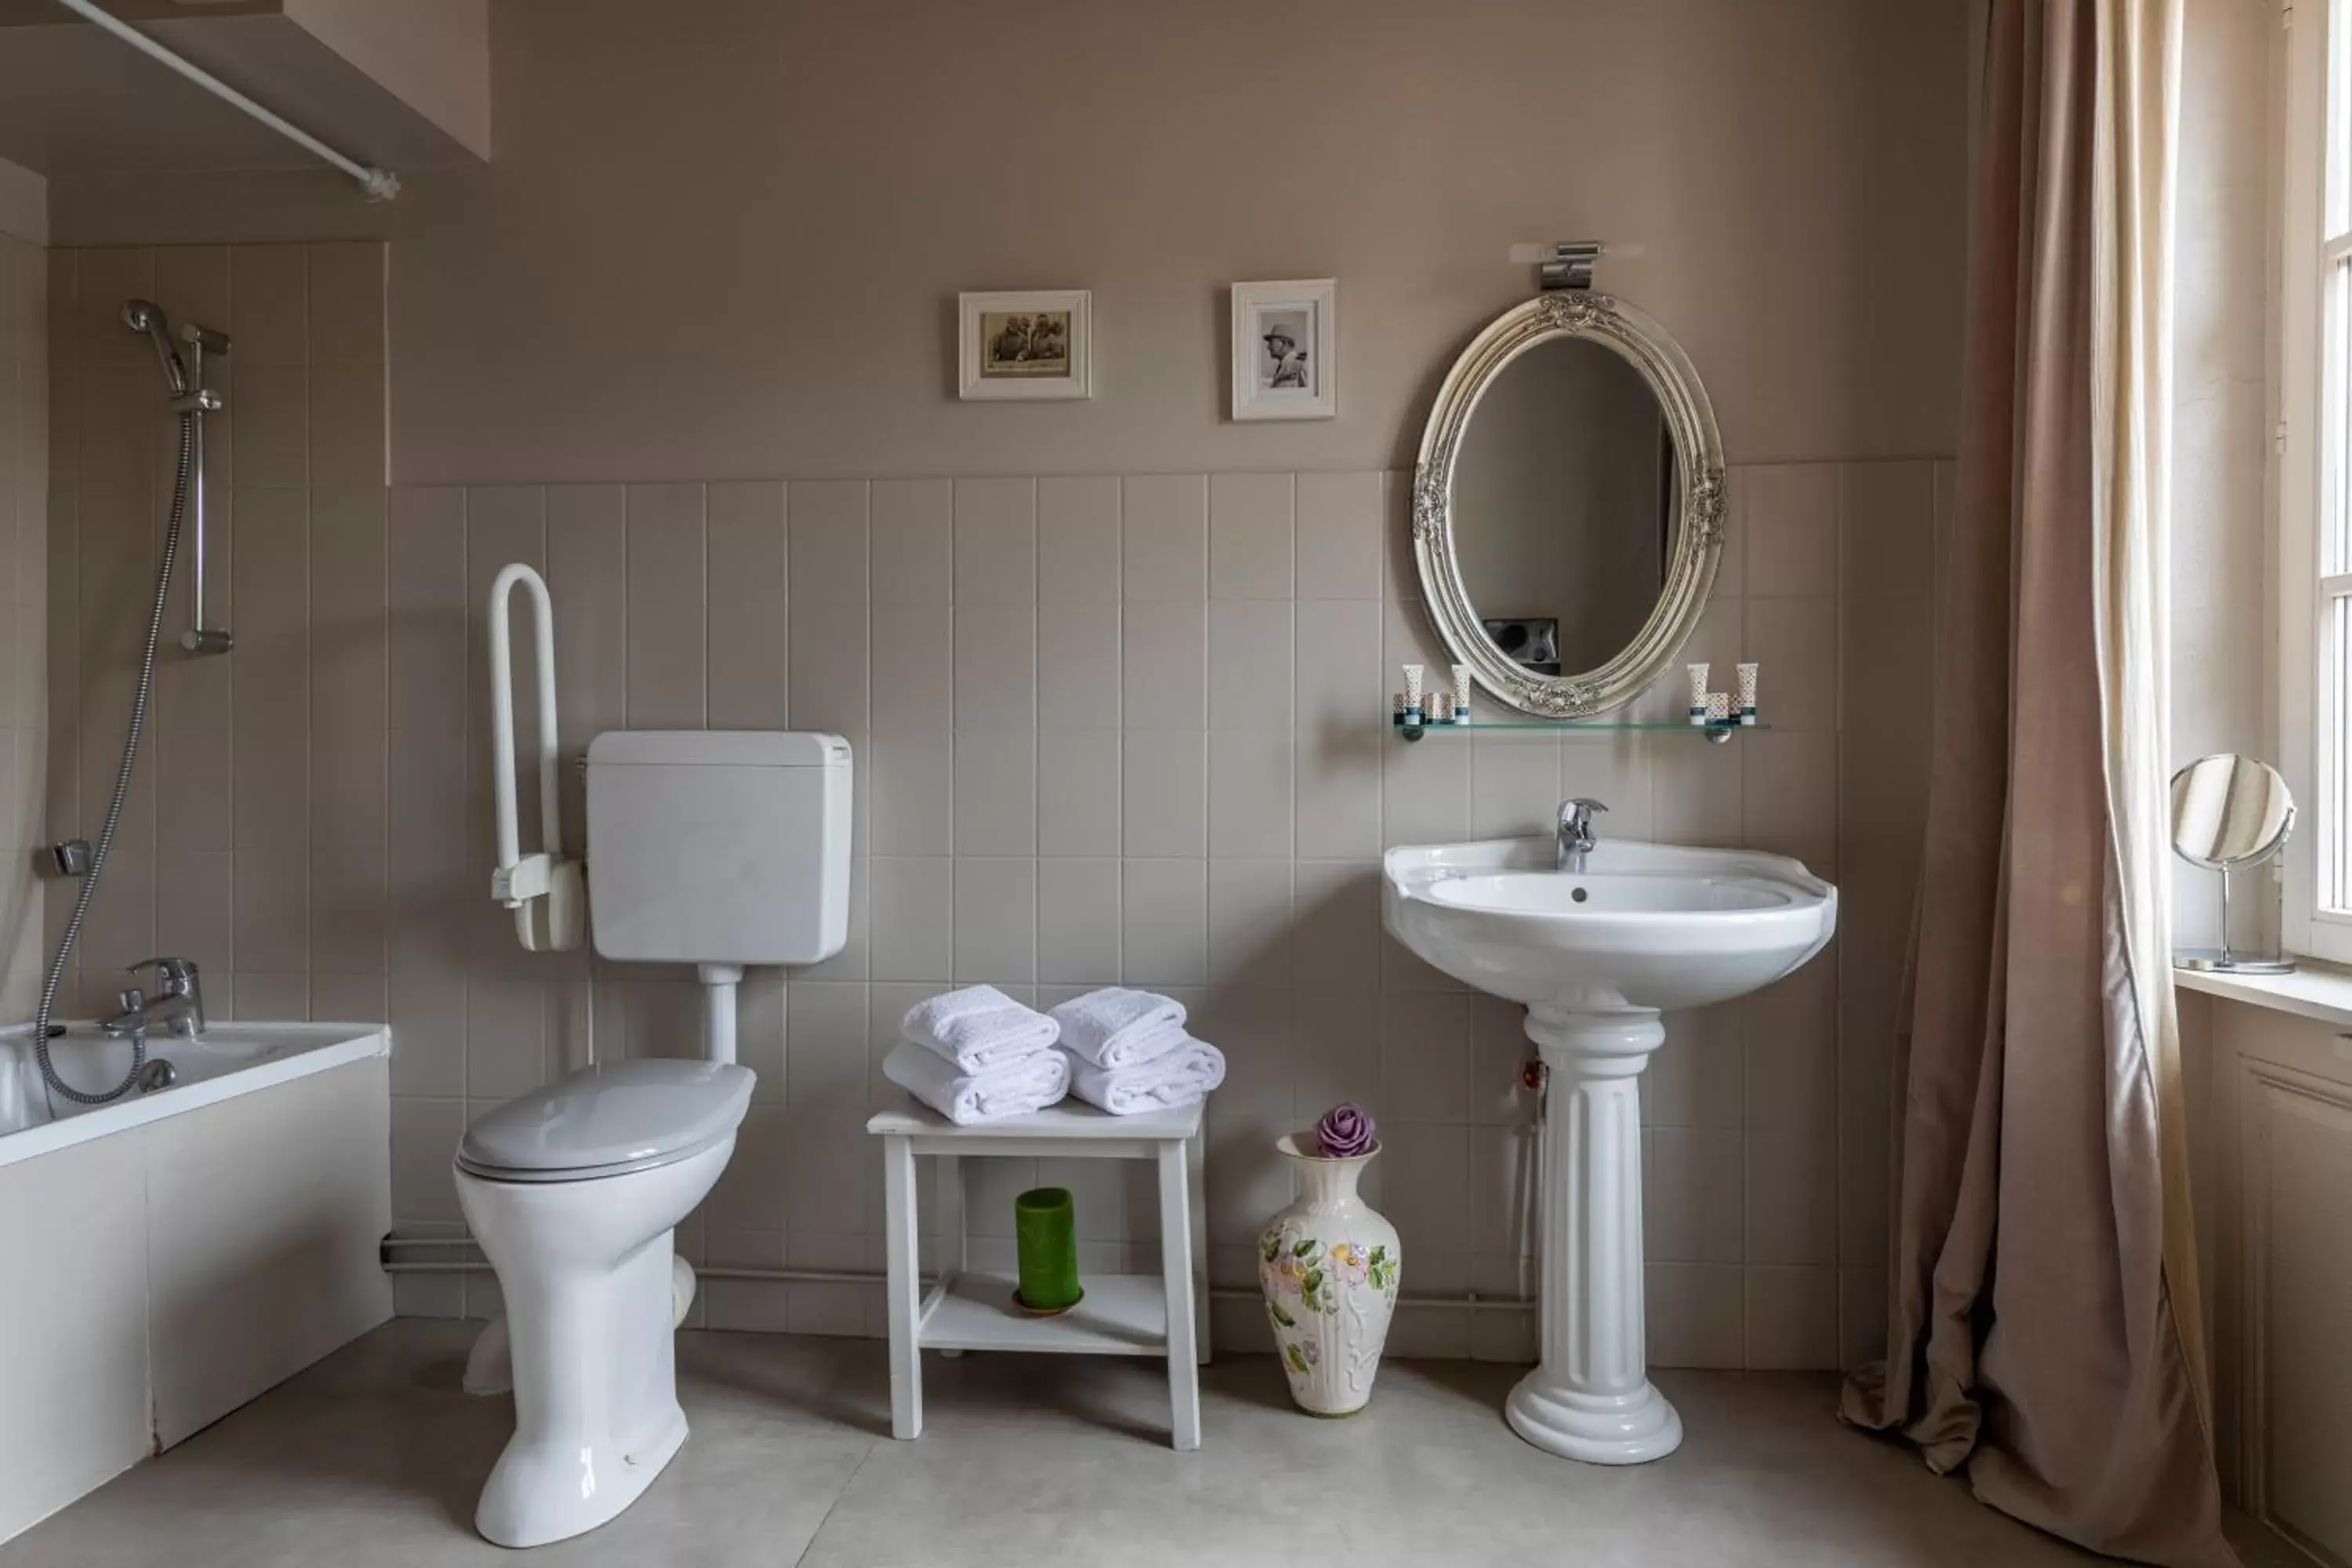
1568	507
2228	813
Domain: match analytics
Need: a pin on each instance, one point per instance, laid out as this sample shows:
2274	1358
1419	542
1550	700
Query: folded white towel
1177	1078
979	1027
1025	1084
1115	1028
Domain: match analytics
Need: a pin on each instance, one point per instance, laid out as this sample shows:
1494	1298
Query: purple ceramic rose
1347	1130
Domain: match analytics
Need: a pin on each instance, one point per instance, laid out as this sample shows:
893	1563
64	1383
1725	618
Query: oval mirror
1568	510
2230	812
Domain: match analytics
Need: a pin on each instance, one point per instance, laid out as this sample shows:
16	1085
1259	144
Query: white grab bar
521	879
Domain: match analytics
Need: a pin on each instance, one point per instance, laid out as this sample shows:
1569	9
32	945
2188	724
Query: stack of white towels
1129	1052
976	1055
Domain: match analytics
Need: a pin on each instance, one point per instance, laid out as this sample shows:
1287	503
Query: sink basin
1595	952
1643	925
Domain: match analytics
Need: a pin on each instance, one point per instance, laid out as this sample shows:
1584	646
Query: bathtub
230	1059
174	1254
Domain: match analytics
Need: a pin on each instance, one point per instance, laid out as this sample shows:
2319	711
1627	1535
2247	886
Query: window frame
2313	458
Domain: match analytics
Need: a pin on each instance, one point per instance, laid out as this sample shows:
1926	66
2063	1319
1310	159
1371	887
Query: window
2314	481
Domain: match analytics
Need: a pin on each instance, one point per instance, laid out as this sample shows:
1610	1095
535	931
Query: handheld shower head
141	316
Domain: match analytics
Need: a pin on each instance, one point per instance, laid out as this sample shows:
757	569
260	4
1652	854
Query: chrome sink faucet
1577	836
179	1006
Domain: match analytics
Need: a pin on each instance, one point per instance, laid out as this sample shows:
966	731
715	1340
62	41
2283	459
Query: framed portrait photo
1284	338
1033	343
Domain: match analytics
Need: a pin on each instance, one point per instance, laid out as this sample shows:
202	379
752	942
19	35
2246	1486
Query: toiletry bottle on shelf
1747	673
1462	694
1412	713
1698	673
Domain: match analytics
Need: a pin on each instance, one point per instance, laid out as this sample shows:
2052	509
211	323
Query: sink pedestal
1592	1399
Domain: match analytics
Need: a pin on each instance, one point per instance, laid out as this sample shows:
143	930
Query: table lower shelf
1122	1314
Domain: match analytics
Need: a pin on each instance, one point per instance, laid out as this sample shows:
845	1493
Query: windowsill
2317	991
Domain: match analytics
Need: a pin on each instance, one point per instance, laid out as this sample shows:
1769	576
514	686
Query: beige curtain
2041	1323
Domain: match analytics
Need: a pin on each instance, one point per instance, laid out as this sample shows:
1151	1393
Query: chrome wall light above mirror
1569	505
2230	814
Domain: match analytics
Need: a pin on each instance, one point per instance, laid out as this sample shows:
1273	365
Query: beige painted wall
725	238
1116	670
24	614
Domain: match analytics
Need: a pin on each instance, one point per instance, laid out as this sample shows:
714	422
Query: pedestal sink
1595	954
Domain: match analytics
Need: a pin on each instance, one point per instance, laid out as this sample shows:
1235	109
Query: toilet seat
613	1118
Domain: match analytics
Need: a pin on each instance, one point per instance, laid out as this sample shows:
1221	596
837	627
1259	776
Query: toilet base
591	1325
537	1493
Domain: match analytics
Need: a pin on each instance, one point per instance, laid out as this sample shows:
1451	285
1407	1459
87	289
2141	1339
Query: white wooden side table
1163	1314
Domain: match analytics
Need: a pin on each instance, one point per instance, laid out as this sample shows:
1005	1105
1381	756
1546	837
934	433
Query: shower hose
114	806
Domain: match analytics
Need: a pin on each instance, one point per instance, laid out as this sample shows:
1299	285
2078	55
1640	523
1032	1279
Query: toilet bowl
572	1192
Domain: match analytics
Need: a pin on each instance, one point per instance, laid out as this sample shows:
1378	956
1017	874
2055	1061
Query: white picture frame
1286	333
989	324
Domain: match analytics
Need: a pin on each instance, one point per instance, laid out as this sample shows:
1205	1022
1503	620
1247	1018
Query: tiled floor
373	1458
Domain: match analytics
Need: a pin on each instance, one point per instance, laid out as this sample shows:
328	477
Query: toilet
711	847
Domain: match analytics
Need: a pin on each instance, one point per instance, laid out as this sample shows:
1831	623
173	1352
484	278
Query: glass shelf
1717	733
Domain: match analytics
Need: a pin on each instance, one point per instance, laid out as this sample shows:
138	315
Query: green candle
1047	1243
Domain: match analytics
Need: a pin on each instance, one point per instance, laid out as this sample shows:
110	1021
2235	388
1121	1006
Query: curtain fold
2043	1331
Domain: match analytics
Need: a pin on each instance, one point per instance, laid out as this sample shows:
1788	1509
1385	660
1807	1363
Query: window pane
2336	708
2335	420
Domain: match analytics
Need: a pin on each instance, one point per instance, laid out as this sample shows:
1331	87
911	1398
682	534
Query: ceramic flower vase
1328	1266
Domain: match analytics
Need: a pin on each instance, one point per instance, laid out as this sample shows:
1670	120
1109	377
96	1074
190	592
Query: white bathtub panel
264	1214
73	1311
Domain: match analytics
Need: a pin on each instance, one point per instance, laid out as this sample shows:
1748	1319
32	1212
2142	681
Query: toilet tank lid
611	1114
718	749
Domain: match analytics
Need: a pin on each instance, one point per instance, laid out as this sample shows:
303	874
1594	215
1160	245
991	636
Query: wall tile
1339	536
1078	541
1250	665
588	578
996	921
1163	922
1164	537
668	579
1163	657
346	303
747	645
1163	793
914	917
996	666
995	792
825	522
1078	921
1790	513
996	541
1078	665
425	585
347	428
913	555
1250	797
913	792
1249	536
1078	793
1250	925
269	304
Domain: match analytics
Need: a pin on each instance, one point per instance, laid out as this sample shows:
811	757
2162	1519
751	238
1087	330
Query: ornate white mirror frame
1699	489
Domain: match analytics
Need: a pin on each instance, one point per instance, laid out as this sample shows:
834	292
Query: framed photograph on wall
1033	343
1284	338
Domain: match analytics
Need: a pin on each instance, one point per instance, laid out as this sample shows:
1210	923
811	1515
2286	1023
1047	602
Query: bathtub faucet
180	1007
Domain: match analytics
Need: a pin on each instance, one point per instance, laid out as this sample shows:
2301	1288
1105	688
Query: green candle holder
1046	1241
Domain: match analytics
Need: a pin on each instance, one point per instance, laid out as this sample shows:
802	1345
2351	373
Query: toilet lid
626	1114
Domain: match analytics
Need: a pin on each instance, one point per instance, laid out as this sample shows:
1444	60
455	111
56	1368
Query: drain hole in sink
1578	894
